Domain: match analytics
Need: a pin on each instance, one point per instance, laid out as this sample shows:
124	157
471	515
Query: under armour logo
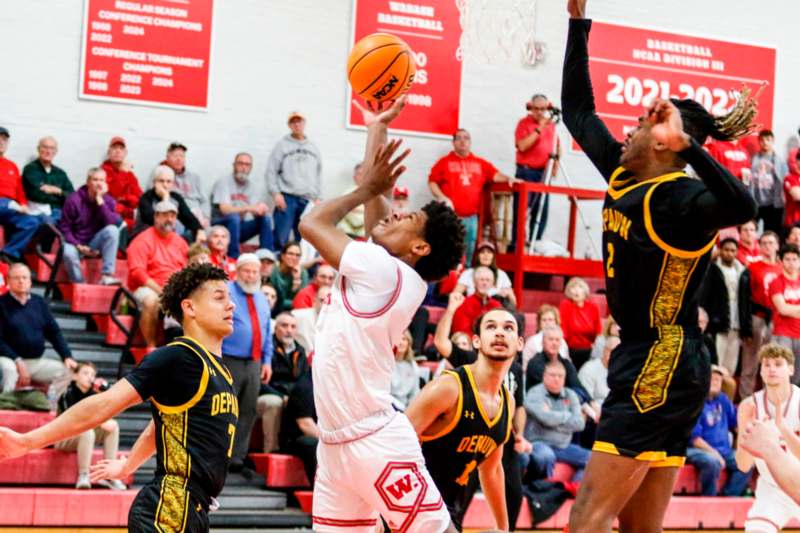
469	414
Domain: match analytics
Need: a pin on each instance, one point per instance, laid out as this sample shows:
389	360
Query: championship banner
153	52
631	67
432	30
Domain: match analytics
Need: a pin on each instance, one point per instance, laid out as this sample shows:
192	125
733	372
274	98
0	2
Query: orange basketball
381	67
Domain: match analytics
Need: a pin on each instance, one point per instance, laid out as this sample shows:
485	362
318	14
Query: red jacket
469	311
11	182
123	186
152	256
580	324
305	297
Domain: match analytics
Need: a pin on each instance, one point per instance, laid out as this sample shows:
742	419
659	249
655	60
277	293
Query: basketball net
499	32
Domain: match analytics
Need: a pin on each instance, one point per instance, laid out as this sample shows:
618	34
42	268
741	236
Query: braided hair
737	123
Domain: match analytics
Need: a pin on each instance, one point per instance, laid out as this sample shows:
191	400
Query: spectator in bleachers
766	185
551	341
726	300
289	364
218	239
82	386
546	316
710	450
270	292
353	222
400	201
163	190
749	251
25	323
474	306
535	140
90	225
762	273
294	175
784	294
153	256
733	155
305	297
458	178
268	260
46	185
791	192
580	320
485	256
289	277
554	416
307	319
299	430
610	329
235	204
405	376
594	374
793	234
247	351
199	254
15	214
187	183
123	185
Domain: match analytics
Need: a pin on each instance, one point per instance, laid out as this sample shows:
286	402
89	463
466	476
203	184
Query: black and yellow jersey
195	412
454	454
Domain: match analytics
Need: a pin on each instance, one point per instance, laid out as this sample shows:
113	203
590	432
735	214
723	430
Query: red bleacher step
86	298
24	421
65	507
46	467
115	336
280	470
305	500
92	269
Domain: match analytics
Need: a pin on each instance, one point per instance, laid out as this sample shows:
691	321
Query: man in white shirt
370	461
594	373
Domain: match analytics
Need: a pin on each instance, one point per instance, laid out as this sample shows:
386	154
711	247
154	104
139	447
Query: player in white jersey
369	459
776	407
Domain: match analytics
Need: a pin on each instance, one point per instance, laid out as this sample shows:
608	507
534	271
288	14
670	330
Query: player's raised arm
577	96
319	227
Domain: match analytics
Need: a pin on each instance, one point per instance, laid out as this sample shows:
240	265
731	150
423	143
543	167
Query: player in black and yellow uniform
193	405
464	418
659	226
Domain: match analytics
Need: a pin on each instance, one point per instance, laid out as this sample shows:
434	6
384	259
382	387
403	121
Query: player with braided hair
659	226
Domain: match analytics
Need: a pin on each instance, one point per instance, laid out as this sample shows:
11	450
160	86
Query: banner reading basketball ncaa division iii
432	31
153	52
631	67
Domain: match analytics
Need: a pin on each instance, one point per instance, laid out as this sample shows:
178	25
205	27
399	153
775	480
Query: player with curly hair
193	405
370	461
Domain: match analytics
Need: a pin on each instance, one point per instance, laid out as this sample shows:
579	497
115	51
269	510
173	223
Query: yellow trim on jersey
651	231
490	423
510	414
616	194
214	360
656	459
454	422
201	389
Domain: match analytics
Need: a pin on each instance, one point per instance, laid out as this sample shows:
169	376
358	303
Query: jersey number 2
232	433
610	261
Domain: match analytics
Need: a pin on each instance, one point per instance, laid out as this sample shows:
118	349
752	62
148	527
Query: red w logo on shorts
401	487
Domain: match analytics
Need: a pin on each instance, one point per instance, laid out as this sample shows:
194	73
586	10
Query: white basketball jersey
371	304
766	411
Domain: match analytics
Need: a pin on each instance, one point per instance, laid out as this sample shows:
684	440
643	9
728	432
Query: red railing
519	262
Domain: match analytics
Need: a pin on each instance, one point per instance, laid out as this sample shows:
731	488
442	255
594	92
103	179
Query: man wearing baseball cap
293	176
247	352
14	205
188	183
123	185
153	256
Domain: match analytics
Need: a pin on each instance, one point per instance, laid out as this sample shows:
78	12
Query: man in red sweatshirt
123	185
477	304
13	205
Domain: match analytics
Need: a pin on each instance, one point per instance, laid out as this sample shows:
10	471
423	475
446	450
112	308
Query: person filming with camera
536	142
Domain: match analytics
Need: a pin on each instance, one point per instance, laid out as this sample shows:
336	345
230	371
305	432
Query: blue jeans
22	228
243	230
709	470
531	175
544	458
106	240
471	227
288	219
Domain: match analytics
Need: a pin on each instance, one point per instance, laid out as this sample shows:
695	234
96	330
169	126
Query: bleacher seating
23	421
87	299
45	467
91	269
64	507
280	470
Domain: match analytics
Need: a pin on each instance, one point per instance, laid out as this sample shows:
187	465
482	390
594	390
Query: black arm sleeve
577	99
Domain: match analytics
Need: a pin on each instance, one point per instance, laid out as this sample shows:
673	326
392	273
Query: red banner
432	31
631	67
153	52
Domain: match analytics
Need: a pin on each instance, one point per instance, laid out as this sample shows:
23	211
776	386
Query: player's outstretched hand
666	125
760	438
12	444
384	112
576	8
384	170
107	469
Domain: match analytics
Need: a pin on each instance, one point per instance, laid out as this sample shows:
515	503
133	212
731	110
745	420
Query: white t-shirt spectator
594	377
534	345
502	282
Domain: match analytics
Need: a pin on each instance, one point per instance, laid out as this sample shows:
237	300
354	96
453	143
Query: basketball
380	67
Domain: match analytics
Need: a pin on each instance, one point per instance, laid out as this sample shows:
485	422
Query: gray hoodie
295	167
552	419
189	185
